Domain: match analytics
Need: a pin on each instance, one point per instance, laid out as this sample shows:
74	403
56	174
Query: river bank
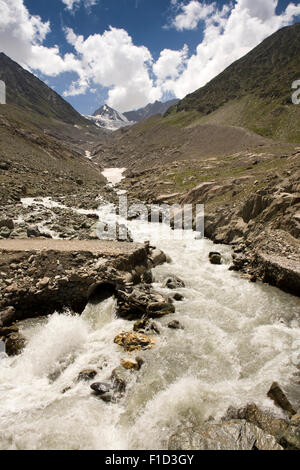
252	202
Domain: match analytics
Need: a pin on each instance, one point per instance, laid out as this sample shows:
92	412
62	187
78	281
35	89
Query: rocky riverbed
165	346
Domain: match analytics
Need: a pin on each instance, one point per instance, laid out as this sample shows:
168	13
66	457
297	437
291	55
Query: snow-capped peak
108	118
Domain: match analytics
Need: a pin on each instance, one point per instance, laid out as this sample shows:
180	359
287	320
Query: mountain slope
254	92
27	91
31	103
42	140
150	110
247	107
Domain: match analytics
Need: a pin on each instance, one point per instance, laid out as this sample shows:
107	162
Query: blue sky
130	52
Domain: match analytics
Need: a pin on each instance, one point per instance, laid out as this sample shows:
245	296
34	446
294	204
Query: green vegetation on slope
254	92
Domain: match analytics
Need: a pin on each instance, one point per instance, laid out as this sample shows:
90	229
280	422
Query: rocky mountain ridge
109	119
150	110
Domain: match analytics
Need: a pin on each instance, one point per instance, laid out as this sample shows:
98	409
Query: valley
161	340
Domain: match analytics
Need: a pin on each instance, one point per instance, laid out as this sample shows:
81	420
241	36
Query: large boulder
280	399
264	420
231	435
143	302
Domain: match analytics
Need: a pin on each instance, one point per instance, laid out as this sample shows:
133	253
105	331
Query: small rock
141	325
128	364
5	232
178	297
43	282
147	277
291	437
145	325
132	341
175	325
233	268
4	166
215	258
33	232
101	388
86	375
14	344
7	316
6	331
132	365
173	282
140	361
158	257
9	223
154	327
119	377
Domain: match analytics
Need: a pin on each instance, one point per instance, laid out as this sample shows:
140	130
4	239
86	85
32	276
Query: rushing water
239	337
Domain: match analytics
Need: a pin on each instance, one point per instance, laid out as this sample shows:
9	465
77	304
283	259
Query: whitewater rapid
238	338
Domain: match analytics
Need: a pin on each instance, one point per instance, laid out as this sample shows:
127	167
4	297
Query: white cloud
170	64
71	4
22	36
113	61
191	14
229	34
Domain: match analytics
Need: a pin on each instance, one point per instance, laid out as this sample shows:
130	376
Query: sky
128	53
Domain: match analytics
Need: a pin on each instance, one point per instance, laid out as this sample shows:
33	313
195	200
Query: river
238	338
